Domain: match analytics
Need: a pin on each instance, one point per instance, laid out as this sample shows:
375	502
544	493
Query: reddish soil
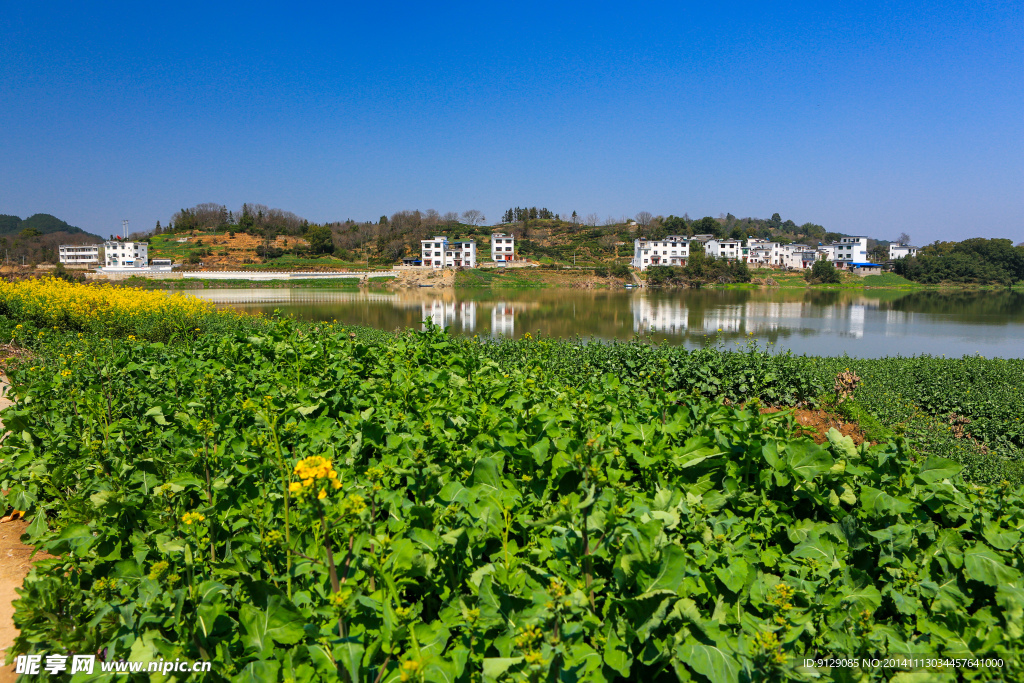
816	423
15	561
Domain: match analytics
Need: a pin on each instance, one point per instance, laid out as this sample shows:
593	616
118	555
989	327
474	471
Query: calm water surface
870	323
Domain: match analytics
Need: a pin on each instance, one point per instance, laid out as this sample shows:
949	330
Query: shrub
823	272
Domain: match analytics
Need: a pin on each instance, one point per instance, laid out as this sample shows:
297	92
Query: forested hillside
36	238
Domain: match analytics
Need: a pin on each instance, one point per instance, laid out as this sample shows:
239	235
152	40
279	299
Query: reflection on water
869	323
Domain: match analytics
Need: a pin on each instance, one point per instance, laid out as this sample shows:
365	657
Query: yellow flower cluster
782	596
158	569
767	643
60	304
190	518
309	470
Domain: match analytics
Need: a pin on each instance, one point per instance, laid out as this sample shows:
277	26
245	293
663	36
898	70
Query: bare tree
608	242
451	218
610	220
643	219
592	220
904	238
473	217
431	218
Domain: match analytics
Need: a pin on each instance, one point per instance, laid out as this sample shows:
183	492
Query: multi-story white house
900	250
79	255
432	251
848	250
673	250
724	249
118	254
438	252
799	256
503	247
460	255
762	253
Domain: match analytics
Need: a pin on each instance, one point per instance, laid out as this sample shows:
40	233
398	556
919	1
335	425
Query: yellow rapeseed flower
190	518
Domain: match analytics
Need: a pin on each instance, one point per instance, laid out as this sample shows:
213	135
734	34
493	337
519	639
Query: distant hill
45	224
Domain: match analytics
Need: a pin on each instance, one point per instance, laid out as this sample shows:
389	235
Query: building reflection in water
672	317
669	317
503	320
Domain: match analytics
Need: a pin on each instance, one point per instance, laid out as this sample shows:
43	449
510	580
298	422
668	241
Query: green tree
320	238
823	272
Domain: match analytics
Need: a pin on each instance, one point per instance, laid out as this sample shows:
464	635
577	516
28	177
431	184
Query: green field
309	502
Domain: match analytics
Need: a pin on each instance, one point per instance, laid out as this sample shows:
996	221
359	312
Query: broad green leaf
709	661
880	503
616	654
278	622
734	574
983	564
807	459
496	666
671	571
936	469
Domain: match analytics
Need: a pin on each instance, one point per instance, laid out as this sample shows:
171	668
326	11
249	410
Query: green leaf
277	622
1000	538
616	654
807	459
733	575
157	413
983	564
843	445
879	503
349	653
671	571
709	661
936	469
258	672
496	666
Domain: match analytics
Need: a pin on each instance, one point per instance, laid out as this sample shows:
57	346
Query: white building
724	249
460	255
432	251
800	256
848	250
503	247
438	252
118	254
900	250
762	253
673	250
79	255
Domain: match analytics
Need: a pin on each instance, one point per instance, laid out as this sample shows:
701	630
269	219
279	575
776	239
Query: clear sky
868	118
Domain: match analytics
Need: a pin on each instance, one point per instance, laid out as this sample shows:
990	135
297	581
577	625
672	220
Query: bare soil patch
15	562
816	423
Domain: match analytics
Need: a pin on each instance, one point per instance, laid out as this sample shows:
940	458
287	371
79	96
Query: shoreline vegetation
344	503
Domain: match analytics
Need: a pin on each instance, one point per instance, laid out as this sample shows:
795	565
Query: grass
888	280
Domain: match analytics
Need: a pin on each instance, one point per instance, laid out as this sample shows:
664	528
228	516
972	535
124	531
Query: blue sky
871	118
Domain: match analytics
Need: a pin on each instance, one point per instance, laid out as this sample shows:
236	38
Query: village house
503	247
460	255
848	251
901	250
79	255
118	254
728	249
438	252
673	250
432	251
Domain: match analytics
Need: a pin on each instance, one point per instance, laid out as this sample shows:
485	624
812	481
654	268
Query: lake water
867	323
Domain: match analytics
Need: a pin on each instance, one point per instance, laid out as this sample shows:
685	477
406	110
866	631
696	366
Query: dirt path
15	562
